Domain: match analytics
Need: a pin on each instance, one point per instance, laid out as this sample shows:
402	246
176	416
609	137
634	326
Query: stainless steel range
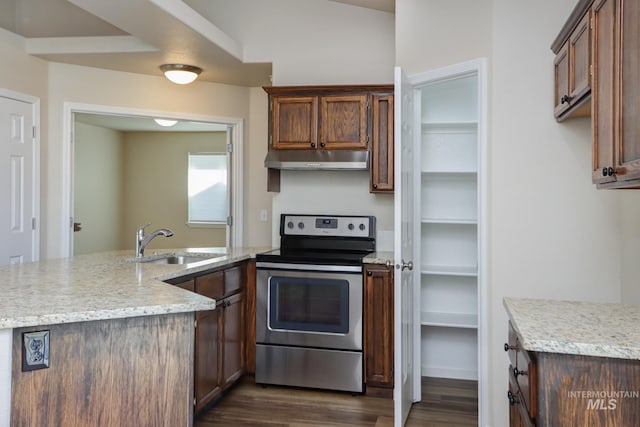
309	303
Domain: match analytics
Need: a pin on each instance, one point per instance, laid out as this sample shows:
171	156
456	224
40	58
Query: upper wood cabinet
572	70
381	169
615	85
616	112
358	117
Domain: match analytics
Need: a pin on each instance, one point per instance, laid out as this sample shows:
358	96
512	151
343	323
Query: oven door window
309	304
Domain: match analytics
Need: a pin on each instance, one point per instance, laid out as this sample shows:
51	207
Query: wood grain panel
294	122
582	391
378	327
120	372
233	340
208	357
343	122
381	169
250	318
211	285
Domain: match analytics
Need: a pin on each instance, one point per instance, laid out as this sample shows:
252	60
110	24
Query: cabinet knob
322	144
608	171
369	273
313	145
508	347
516	372
565	99
512	398
375	185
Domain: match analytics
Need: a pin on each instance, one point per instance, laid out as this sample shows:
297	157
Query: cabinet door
207	356
232	340
294	122
561	71
211	285
628	153
343	122
603	111
580	60
378	326
381	168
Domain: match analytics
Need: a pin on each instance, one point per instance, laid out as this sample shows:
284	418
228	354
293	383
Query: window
207	188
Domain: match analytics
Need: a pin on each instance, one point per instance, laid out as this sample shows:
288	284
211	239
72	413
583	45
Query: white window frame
225	221
235	138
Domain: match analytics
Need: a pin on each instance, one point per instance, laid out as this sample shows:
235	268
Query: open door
404	232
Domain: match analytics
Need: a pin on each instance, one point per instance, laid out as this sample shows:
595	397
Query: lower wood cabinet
378	329
220	352
554	389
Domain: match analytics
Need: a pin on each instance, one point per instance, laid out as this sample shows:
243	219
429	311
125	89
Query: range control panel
335	226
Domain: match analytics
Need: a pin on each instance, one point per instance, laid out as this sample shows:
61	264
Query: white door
18	191
404	225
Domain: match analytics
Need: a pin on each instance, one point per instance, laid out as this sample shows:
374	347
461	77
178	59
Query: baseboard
459	374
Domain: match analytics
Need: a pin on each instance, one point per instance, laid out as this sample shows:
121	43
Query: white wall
547	222
77	84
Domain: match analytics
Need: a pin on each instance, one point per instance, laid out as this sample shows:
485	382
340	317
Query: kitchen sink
176	259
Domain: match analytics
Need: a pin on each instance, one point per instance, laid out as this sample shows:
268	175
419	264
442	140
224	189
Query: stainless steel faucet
142	241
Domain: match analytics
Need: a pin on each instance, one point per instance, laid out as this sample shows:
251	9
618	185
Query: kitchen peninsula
573	363
120	342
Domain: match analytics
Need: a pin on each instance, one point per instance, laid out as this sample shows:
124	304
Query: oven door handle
310	267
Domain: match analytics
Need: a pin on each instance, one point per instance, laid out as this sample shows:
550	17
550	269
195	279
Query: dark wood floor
445	403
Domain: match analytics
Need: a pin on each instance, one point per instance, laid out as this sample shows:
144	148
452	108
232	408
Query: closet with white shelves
449	228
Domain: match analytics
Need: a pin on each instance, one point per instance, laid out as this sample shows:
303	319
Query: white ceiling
137	36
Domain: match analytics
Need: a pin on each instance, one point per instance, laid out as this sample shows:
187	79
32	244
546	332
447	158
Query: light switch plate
35	350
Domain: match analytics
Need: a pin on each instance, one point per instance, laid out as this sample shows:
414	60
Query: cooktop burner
323	239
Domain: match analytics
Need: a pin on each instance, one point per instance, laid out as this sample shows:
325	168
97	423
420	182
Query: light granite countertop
105	285
379	258
572	327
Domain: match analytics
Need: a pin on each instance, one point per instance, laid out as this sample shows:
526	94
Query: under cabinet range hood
317	159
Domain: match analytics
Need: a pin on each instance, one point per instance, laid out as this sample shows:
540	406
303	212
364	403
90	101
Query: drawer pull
508	347
512	398
516	372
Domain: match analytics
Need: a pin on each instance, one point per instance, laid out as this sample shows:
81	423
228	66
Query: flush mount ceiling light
181	74
165	122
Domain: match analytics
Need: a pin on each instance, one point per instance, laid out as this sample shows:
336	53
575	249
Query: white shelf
469	221
449	320
449	172
450	270
449	127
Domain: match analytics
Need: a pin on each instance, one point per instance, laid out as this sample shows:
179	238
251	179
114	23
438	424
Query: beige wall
86	85
156	166
546	219
98	189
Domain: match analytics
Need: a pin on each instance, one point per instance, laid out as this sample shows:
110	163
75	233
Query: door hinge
229	220
271	106
229	147
33	223
195	323
194	401
367	139
368	105
591	69
270	140
34	131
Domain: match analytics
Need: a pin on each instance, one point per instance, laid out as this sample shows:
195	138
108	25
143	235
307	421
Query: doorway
451	210
125	170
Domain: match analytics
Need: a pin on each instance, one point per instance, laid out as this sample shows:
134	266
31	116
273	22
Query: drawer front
211	285
233	279
511	346
189	285
524	374
517	403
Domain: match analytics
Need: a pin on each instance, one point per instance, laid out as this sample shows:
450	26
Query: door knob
405	265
